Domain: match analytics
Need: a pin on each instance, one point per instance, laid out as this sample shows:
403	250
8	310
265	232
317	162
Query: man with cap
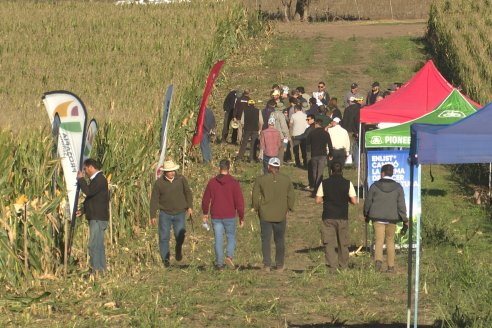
224	198
270	142
373	94
251	121
272	197
172	197
340	141
229	103
354	92
350	122
282	127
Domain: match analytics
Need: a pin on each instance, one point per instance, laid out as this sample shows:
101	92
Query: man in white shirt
298	125
340	140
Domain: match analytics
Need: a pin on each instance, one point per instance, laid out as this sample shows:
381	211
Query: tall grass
118	59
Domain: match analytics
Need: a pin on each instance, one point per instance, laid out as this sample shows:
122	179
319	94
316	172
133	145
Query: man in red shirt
270	141
224	198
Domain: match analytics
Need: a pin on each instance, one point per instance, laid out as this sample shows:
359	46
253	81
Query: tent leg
358	165
410	250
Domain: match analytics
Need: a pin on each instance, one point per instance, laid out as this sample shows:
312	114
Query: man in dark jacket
385	206
252	122
224	198
350	122
96	208
229	103
241	105
172	196
373	94
335	193
319	142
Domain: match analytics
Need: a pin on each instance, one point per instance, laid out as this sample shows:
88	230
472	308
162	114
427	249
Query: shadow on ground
362	325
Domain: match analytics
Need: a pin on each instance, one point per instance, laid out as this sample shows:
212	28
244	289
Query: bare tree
287	4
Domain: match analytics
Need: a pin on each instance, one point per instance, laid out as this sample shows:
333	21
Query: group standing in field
318	134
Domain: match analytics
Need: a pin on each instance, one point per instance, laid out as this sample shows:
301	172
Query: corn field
460	35
119	60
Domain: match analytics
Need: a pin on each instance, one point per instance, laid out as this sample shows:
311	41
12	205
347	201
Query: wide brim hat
169	166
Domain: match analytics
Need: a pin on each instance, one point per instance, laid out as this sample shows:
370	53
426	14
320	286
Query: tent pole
358	165
490	181
410	251
417	266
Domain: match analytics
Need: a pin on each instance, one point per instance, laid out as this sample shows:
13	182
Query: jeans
178	223
265	164
334	234
97	254
278	229
229	226
205	147
318	166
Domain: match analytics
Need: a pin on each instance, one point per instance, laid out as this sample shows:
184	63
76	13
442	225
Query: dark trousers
225	127
302	146
334	234
318	165
338	156
278	229
287	153
310	174
253	145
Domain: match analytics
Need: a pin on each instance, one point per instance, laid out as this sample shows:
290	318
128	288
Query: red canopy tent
419	96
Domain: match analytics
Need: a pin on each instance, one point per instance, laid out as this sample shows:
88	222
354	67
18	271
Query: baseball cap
274	161
337	119
375	84
271	121
354	85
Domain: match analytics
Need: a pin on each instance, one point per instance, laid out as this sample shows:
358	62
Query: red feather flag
212	76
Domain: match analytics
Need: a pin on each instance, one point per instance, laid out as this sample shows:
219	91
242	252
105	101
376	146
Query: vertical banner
165	120
54	152
399	159
71	111
212	76
90	139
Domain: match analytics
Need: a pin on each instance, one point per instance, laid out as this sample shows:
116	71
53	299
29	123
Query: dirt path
345	30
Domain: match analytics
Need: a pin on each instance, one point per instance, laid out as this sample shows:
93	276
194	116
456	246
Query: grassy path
139	292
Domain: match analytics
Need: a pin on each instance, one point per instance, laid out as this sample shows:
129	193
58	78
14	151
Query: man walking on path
270	142
252	121
239	107
319	142
298	125
96	209
273	197
283	128
335	193
172	196
385	206
224	198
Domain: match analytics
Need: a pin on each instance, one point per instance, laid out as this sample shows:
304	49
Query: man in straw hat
273	197
172	196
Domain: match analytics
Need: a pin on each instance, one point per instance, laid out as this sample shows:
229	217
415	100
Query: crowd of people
314	129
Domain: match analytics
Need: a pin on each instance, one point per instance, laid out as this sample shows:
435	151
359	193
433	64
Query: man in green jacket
273	197
172	196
